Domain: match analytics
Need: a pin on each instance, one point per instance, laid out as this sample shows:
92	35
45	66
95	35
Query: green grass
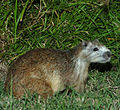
62	24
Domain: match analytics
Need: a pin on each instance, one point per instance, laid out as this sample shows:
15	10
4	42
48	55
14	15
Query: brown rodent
47	71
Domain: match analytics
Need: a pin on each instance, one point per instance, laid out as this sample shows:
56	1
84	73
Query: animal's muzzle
107	55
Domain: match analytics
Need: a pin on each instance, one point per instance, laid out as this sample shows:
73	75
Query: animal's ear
96	41
84	44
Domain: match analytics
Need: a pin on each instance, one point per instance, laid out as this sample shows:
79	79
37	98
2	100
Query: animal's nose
107	54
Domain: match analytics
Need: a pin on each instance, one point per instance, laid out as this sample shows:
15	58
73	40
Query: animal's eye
95	49
85	44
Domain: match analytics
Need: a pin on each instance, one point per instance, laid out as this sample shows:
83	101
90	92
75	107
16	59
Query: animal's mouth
105	60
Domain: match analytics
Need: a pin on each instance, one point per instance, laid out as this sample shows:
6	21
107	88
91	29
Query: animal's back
38	70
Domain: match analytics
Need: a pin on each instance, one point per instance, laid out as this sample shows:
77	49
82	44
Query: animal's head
93	51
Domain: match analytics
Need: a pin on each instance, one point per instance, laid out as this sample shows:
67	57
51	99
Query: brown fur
39	70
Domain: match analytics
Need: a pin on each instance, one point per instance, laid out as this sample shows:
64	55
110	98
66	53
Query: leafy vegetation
62	24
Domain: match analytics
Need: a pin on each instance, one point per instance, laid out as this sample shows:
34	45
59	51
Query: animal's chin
102	61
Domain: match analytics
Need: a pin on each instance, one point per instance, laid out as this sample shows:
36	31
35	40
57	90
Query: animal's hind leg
42	87
33	85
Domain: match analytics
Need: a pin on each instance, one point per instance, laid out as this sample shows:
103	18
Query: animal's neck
78	73
81	69
78	70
